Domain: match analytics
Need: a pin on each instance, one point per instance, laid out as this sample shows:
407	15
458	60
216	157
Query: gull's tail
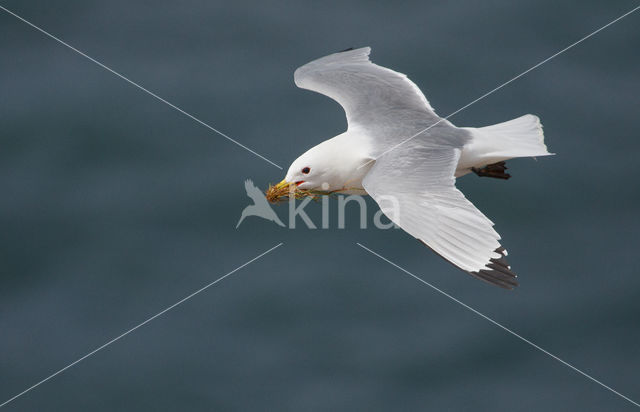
521	137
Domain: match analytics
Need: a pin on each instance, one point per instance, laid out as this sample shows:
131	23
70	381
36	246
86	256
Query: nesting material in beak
284	191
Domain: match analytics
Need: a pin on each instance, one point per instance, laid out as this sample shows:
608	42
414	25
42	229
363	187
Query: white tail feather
521	137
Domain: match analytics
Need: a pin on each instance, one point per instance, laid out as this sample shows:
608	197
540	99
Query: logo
260	206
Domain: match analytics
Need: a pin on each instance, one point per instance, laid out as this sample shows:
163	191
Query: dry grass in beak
283	192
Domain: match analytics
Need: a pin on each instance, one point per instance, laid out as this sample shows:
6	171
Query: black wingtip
346	50
498	272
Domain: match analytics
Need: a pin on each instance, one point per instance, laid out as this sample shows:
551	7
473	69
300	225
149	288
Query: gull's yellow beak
286	190
282	185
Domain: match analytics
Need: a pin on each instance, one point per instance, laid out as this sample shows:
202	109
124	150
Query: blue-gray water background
114	206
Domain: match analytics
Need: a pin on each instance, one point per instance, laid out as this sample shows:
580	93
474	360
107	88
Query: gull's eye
306	170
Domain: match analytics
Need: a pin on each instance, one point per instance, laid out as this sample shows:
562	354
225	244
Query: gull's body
406	157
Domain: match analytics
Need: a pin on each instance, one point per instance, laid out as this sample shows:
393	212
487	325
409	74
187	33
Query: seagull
260	206
407	158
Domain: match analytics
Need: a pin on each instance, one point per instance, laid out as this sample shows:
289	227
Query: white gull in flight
400	152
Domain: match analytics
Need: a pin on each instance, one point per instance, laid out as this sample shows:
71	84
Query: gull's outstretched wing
382	103
415	188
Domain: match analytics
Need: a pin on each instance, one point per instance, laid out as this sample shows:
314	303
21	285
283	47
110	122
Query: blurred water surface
115	206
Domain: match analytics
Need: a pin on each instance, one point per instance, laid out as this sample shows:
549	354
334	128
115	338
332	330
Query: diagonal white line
499	325
139	87
505	83
139	325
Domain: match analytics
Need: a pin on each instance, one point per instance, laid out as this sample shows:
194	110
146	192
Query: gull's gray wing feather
383	104
415	188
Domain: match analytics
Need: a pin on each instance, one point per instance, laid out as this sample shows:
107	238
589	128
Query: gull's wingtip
366	50
498	272
347	56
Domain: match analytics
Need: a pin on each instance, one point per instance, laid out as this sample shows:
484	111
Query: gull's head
309	175
310	171
333	165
